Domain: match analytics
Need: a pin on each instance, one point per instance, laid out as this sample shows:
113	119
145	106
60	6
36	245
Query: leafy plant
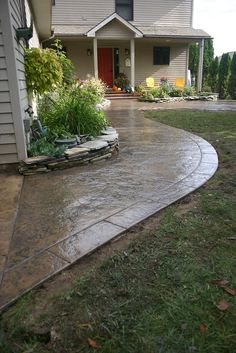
71	112
159	92
43	70
95	89
232	78
66	64
189	91
166	86
214	74
140	89
121	80
224	70
176	92
43	147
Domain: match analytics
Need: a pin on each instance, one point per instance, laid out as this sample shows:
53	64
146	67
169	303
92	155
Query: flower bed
100	148
210	97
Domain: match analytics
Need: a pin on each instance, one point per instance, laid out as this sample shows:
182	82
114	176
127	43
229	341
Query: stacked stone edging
211	97
103	147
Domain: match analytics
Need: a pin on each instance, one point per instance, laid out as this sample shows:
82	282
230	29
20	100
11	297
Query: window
125	8
161	55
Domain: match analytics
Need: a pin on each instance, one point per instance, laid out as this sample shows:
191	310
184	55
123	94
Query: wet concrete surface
64	215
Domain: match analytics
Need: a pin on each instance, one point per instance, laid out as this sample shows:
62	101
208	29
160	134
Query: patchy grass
159	294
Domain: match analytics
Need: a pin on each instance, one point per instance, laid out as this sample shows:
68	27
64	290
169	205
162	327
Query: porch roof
42	13
148	32
173	32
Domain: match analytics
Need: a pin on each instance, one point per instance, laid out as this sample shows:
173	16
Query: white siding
145	67
77	52
8	153
76	12
114	30
177	13
163	12
19	51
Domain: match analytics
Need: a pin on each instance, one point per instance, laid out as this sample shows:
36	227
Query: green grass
153	296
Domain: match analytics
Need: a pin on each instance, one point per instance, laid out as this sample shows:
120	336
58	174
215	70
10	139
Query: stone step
111	96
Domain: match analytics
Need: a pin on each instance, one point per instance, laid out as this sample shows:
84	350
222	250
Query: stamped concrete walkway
50	221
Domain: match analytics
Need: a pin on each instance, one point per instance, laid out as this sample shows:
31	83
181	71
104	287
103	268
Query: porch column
95	57
200	65
132	59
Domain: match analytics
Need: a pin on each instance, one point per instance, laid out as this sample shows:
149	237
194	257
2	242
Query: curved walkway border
67	215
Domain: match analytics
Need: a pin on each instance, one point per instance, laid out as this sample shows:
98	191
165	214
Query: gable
115	17
114	29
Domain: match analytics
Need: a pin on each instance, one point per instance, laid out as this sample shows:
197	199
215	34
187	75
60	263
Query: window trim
126	5
155	55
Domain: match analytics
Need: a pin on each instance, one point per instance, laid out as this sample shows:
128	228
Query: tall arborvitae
224	70
207	60
213	75
193	60
232	78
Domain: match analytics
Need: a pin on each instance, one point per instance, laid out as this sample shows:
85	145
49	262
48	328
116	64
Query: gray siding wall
19	52
13	95
114	30
176	13
77	51
8	150
162	12
144	62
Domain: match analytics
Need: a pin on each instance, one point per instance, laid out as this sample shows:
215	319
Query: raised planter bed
103	147
211	97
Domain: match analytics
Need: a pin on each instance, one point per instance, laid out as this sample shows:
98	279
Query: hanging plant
43	70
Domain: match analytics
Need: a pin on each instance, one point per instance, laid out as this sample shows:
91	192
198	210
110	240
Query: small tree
213	74
232	78
66	64
224	70
193	60
207	60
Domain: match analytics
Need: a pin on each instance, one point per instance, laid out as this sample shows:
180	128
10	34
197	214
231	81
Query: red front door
105	65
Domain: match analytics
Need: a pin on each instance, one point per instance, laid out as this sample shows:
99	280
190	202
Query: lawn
170	289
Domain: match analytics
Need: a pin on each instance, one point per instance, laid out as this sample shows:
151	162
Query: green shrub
224	70
166	87
140	89
154	92
95	89
147	95
42	147
176	92
42	70
189	91
213	74
66	64
232	78
71	112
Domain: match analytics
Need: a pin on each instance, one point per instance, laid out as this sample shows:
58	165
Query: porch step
120	95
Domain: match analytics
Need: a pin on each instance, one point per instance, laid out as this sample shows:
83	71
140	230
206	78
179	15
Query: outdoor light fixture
89	52
25	32
126	51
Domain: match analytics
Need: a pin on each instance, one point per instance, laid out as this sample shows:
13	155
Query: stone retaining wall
103	147
212	97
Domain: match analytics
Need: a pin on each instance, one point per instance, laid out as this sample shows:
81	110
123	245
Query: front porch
116	46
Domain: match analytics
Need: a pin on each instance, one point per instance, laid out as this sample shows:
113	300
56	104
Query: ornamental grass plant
69	112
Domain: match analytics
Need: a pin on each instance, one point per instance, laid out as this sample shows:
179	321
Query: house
18	18
139	38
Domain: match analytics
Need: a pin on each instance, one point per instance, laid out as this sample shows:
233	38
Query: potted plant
121	81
